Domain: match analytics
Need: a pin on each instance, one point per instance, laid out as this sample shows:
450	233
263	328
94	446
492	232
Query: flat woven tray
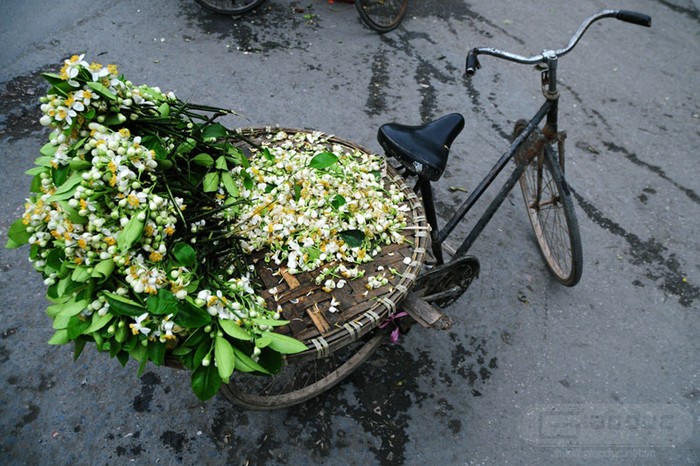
360	310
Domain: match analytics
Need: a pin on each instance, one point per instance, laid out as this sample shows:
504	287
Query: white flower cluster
115	185
236	300
300	212
163	330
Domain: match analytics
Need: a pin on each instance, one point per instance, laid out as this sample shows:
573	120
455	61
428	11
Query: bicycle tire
230	7
299	382
382	15
552	216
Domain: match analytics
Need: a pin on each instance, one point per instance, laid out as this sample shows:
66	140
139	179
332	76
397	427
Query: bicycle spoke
549	218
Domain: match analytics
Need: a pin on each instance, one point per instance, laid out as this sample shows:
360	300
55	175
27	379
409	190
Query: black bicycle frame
549	109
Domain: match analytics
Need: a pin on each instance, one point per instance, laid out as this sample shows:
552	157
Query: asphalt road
531	373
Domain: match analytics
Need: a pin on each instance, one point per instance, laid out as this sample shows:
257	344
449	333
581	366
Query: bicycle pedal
425	314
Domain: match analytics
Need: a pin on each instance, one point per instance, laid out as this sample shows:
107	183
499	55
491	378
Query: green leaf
73	213
114	348
76	327
338	201
285	344
123	358
353	238
52	78
245	363
205	160
66	190
225	361
164	110
184	254
69	308
44	162
112	119
263	340
48	150
234	330
60	322
121	334
297	191
323	160
229	184
268	155
214	130
55	259
66	285
156	352
248	182
202	351
314	254
79	345
62	88
59	338
80	274
122	306
103	270
98	322
187	146
206	382
191	316
181	351
102	91
211	182
140	353
130	234
221	163
17	234
155	144
36	171
60	175
78	165
270	322
163	303
271	360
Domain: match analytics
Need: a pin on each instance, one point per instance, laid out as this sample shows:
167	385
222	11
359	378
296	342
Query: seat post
429	205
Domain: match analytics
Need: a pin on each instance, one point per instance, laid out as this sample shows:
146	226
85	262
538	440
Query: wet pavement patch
19	109
662	267
142	401
31	416
271	27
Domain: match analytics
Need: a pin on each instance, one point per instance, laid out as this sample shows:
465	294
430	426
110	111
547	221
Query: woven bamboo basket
306	306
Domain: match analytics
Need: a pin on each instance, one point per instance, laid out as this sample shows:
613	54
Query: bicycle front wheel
300	381
551	211
230	7
382	15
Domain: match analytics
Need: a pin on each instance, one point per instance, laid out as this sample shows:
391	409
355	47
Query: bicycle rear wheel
551	211
382	15
230	7
303	380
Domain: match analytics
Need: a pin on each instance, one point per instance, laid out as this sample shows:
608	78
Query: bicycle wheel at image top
382	15
303	380
551	212
230	7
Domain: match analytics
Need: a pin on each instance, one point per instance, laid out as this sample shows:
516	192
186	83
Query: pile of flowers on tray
144	211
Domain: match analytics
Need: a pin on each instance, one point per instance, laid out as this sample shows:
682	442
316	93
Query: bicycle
421	153
380	15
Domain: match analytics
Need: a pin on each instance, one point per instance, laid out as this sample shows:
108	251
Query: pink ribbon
391	319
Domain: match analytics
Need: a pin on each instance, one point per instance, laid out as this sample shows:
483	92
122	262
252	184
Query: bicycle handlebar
623	15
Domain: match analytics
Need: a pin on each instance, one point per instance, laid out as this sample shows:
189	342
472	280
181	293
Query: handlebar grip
634	17
472	63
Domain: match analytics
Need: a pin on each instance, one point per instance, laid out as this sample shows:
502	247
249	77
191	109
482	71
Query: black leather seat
423	149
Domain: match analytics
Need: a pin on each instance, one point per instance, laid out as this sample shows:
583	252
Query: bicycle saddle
423	149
